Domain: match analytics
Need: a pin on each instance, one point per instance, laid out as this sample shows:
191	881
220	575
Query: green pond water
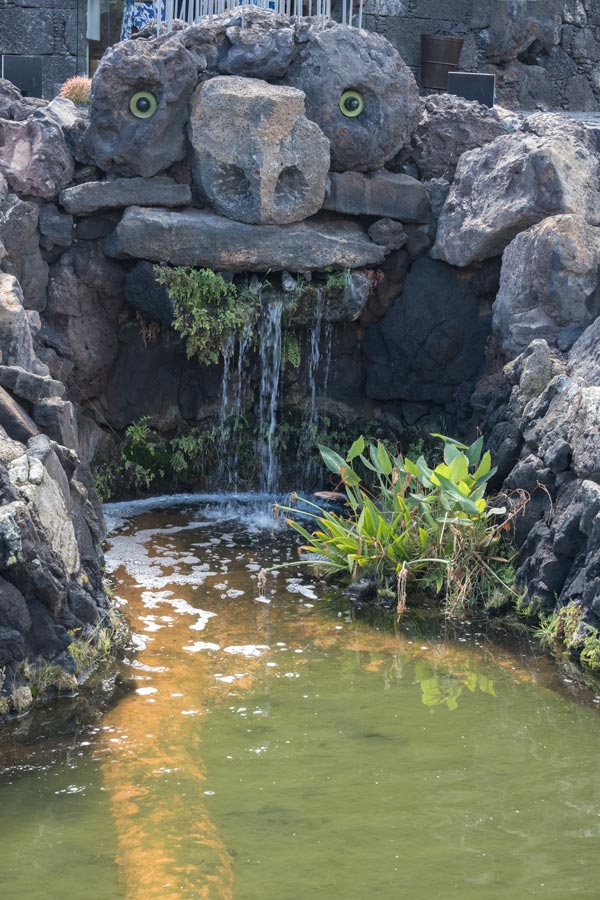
274	749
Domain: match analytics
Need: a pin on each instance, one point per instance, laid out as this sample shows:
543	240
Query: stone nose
256	157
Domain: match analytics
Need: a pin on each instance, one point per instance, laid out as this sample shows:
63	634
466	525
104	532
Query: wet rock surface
85	297
431	341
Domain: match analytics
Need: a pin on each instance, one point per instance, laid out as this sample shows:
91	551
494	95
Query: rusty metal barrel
440	55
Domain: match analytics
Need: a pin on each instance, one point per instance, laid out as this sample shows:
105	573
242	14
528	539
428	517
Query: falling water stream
274	748
270	367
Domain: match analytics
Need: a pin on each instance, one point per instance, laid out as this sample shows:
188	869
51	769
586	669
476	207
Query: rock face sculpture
259	152
363	96
139	107
271	167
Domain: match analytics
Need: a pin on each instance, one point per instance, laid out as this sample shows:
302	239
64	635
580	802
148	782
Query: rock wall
468	238
53	33
543	52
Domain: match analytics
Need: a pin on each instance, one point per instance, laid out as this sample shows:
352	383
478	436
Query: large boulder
14	421
341	60
85	296
431	341
449	126
261	47
256	157
56	227
117	193
199	238
385	194
16	344
43	493
23	259
35	157
584	358
28	386
549	167
118	139
549	286
13	608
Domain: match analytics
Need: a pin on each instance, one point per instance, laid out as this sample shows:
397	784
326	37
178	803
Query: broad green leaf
411	467
383	458
448	440
451	451
332	460
356	449
367	464
349	476
474	451
484	466
459	468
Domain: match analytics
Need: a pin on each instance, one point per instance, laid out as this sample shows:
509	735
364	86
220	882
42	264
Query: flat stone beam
195	237
385	194
98	196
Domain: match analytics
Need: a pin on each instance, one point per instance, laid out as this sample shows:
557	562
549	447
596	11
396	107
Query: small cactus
77	89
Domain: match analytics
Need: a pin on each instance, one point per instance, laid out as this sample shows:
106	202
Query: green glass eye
143	104
351	104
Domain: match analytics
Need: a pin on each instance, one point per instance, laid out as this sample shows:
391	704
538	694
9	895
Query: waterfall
270	363
320	338
237	402
231	406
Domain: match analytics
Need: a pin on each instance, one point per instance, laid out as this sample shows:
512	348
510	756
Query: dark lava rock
432	339
379	194
144	292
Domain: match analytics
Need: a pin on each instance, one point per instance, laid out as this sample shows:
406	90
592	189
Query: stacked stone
471	235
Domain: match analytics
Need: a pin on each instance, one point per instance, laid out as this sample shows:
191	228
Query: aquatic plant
430	526
207	309
77	89
44	675
89	649
566	628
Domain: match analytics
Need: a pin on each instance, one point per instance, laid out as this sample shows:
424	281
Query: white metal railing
194	11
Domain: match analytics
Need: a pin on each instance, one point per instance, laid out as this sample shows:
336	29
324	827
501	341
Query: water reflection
279	749
202	639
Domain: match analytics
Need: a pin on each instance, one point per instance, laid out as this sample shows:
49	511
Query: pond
274	748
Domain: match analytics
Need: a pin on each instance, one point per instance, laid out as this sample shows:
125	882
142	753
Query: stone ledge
99	196
194	237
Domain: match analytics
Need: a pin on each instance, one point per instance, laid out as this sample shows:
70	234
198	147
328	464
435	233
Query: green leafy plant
291	350
336	281
92	648
44	675
565	627
207	309
432	526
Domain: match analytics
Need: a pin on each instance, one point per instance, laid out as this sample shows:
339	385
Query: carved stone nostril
291	188
257	158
